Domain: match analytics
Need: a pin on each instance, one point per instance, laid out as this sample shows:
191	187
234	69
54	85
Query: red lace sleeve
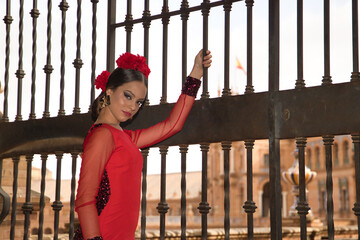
173	124
98	146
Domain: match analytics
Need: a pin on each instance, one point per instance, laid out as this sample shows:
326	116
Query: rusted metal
205	10
5	197
64	6
300	82
74	156
183	151
44	158
355	75
327	77
93	49
146	24
226	146
48	67
16	161
57	204
165	21
204	206
34	14
28	206
110	44
249	29
163	206
227	8
128	25
77	62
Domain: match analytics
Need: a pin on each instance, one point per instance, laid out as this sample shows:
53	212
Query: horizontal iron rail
306	112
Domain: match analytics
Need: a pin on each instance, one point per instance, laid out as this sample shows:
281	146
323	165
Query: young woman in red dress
108	195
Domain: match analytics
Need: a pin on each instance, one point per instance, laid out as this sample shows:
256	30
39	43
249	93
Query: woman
108	196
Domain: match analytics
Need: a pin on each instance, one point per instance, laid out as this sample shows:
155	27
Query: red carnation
101	80
135	62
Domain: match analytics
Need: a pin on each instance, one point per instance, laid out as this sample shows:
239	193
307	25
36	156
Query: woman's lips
127	114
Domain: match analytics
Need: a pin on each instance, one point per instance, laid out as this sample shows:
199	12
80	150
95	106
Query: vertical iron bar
274	139
165	22
249	87
302	207
163	206
42	196
183	151
27	206
20	72
355	75
204	207
326	78
145	154
356	209
226	146
300	82
146	24
57	205
227	8
328	142
93	48
14	198
74	156
249	205
63	7
128	26
5	197
34	14
205	9
78	62
7	20
48	67
110	49
184	17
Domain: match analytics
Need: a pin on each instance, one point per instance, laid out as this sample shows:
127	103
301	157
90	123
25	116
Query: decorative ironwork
205	10
356	209
42	195
146	25
5	197
226	146
227	8
128	26
328	142
249	15
57	205
183	151
28	206
34	14
163	206
16	161
249	205
327	77
93	50
165	21
355	75
78	62
300	82
74	156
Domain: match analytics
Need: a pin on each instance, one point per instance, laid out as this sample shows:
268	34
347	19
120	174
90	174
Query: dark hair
117	78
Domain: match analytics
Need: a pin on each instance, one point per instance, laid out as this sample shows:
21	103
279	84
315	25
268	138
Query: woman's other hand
200	61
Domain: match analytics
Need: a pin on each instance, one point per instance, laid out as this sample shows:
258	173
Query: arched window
346	152
317	158
336	155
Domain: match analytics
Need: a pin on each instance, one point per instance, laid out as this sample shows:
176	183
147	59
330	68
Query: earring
107	98
105	101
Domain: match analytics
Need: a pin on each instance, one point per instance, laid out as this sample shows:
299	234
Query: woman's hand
200	61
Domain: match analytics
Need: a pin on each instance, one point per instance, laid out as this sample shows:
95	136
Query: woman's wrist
191	86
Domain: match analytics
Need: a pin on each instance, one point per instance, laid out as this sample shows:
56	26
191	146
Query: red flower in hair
135	62
101	80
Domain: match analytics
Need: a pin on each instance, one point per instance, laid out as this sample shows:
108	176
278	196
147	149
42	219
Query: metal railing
272	115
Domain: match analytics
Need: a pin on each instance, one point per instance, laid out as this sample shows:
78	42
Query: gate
326	111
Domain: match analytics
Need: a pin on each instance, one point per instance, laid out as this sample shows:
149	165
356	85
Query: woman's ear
108	91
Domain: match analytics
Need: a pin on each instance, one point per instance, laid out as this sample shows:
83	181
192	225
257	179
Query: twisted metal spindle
48	67
146	25
5	197
205	10
63	7
34	14
93	52
28	206
128	26
7	20
184	18
20	72
165	21
78	62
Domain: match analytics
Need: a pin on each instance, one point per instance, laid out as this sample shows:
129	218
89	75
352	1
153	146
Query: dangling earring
105	101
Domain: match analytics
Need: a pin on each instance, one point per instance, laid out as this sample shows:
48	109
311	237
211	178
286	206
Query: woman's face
126	100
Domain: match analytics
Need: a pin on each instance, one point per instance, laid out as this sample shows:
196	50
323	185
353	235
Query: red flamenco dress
108	195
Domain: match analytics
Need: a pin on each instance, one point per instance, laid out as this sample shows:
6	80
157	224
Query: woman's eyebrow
130	92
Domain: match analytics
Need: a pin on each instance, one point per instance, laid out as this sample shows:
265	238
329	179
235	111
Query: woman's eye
127	96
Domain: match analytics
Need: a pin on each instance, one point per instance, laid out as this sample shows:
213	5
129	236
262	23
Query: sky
341	55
